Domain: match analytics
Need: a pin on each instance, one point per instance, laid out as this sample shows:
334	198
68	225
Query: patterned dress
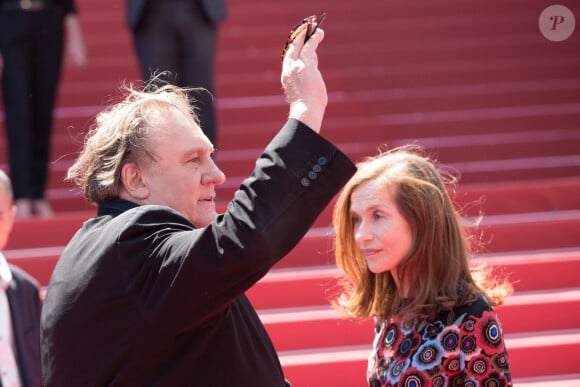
463	347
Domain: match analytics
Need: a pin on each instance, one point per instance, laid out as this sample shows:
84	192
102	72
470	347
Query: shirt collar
115	207
5	273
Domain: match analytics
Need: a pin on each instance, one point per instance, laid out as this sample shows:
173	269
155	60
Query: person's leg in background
16	88
175	36
200	40
31	45
45	77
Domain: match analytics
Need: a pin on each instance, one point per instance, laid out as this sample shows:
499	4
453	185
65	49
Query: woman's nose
362	233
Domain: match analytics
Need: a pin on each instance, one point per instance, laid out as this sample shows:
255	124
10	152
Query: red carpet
475	83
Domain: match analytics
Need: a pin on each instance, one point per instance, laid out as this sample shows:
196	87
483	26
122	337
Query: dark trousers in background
175	36
31	47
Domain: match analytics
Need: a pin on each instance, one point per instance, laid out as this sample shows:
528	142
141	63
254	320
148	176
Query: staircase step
498	234
519	196
564	380
504	112
346	366
491	198
315	249
560	352
532	231
39	233
538	270
317	285
322	326
555	199
559	309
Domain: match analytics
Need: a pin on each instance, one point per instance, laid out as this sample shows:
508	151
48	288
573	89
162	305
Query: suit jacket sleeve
25	307
187	276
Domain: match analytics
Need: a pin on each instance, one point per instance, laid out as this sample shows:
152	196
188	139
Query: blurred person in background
20	308
179	37
33	34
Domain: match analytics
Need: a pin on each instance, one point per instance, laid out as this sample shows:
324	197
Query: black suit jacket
215	10
140	297
25	308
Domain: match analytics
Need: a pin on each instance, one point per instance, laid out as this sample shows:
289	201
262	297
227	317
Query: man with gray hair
151	292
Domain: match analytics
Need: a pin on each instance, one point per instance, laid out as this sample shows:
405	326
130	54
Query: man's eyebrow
199	150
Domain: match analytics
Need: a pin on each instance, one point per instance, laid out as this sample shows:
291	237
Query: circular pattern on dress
479	367
428	354
501	361
398	367
449	341
438	381
432	330
457	381
494	380
469	325
492	332
413	381
391	336
408	326
406	345
453	365
468	344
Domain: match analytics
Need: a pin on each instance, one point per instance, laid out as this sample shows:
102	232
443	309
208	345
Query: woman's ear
133	182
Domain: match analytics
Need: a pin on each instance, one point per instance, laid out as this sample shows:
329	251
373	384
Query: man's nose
214	175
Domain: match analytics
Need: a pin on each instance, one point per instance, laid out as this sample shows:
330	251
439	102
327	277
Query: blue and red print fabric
463	347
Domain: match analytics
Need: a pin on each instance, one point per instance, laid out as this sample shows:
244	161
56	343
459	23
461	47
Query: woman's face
380	230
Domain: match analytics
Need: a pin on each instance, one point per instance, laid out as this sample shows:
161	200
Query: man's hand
302	81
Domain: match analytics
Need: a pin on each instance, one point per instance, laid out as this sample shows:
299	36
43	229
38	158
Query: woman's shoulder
477	308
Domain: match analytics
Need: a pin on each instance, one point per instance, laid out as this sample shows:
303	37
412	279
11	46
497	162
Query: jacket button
322	161
316	168
305	182
312	175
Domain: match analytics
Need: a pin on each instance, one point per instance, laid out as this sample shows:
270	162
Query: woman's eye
355	220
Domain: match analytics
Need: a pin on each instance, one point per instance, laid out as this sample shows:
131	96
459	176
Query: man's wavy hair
437	265
120	136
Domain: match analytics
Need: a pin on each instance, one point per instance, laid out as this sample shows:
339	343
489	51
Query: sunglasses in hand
312	23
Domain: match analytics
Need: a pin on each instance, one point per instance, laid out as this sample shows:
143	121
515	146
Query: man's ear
133	182
9	218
